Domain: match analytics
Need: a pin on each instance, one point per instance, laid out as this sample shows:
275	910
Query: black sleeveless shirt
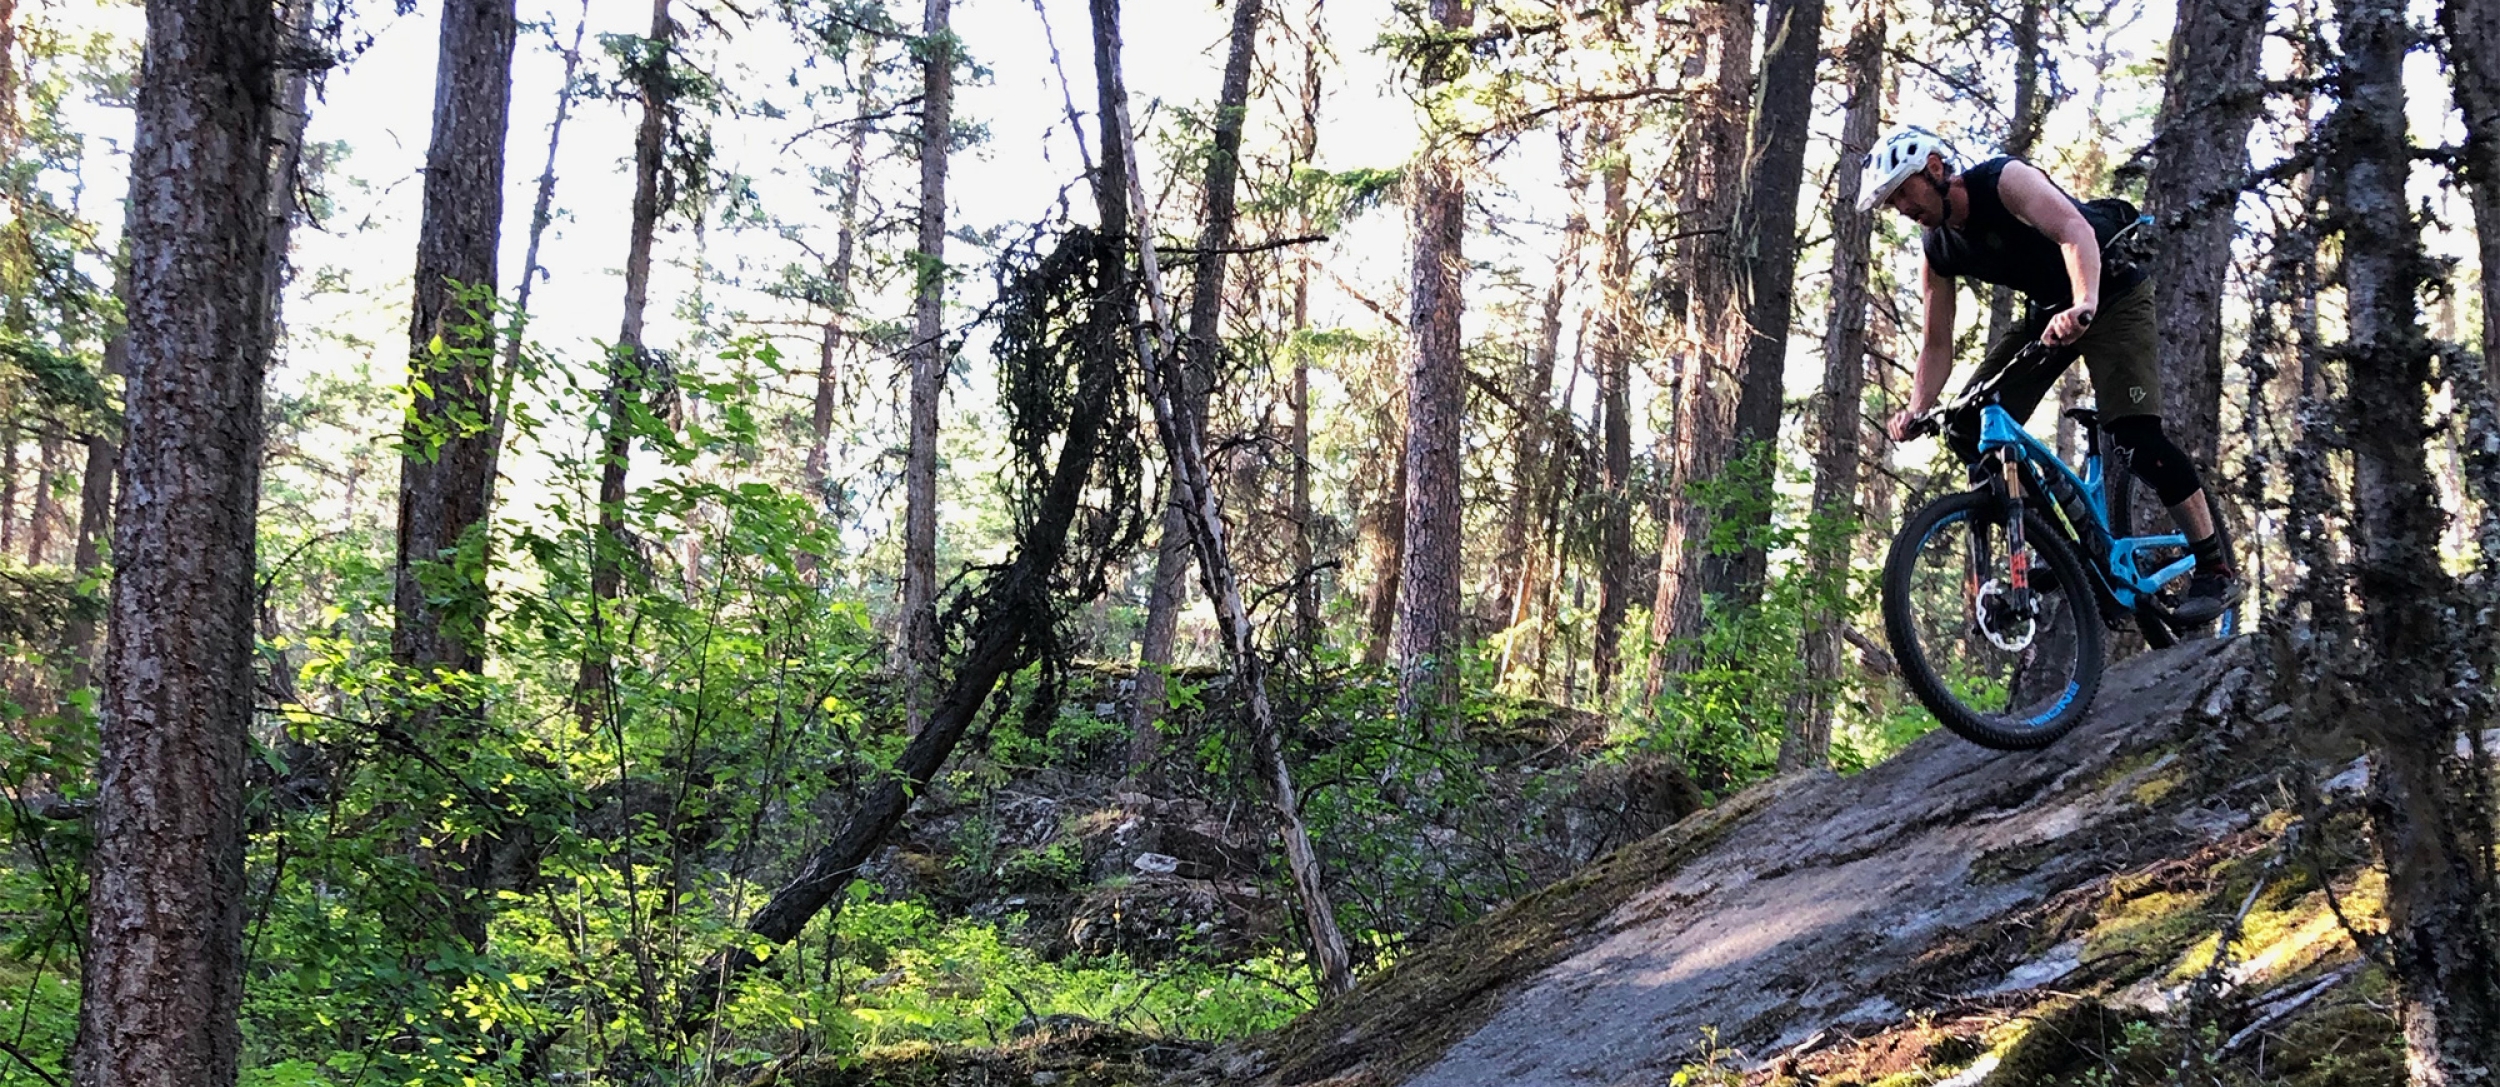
1993	246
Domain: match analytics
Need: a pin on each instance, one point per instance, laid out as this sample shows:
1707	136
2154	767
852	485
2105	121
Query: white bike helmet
1902	152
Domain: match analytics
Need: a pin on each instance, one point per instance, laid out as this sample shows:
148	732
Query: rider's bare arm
1935	348
2038	202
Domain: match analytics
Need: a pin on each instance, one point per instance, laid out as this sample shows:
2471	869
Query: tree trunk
162	980
446	476
2433	836
1185	447
2021	134
95	504
1306	591
2473	29
1388	562
1428	636
627	367
14	287
8	479
1766	250
47	507
443	481
2210	98
1837	439
1614	397
8	86
1205	348
1705	426
845	249
928	365
1523	545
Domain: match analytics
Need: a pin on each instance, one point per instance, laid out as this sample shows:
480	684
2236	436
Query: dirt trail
1815	905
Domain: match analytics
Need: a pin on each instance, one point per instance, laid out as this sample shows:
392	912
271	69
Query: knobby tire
2002	731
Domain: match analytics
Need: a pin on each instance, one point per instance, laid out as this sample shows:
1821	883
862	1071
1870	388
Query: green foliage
1724	717
895	971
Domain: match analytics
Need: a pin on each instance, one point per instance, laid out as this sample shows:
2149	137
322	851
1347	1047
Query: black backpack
2125	233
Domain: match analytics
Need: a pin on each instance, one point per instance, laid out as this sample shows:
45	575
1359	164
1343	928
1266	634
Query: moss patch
2059	1042
2345	1045
1083	1055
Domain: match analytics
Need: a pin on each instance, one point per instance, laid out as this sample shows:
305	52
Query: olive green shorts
2121	350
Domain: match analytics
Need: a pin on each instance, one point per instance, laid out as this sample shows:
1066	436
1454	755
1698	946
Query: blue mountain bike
1997	599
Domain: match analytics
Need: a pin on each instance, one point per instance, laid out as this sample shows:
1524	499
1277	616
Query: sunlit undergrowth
895	971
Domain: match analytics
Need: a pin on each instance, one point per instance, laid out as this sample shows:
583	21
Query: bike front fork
2014	603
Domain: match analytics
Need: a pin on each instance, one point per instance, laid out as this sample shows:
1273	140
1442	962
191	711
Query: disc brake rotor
1999	622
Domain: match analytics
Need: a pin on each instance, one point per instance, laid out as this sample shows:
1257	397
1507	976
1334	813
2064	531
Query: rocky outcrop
1822	929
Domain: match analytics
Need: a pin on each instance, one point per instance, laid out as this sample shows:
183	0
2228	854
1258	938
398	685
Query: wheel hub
2005	625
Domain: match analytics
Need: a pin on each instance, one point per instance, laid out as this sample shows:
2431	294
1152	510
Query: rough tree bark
1436	400
2210	97
627	366
1204	348
47	505
2473	29
2440	898
1838	443
1387	530
13	241
918	648
101	444
1716	97
439	579
1762	244
446	477
1765	238
1614	397
162	979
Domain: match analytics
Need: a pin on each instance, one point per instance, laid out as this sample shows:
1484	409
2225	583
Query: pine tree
629	362
2433	832
446	481
1837	437
2473	29
163	980
2210	98
918	645
1436	397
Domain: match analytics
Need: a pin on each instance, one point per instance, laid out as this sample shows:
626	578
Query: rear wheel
2004	669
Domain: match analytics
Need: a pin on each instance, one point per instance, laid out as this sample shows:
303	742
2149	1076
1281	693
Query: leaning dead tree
1077	496
1202	510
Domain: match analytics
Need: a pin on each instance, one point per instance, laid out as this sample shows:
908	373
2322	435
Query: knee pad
2156	460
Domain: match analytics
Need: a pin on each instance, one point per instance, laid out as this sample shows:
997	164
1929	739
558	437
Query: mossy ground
1071	1055
2126	1016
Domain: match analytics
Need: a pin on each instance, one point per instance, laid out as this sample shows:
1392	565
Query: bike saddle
2086	417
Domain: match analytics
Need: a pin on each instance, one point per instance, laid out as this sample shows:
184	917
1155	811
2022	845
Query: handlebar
1932	421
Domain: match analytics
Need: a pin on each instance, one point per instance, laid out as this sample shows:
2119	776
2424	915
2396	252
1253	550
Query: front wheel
2007	669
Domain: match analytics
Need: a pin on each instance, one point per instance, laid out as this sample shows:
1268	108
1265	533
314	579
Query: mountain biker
2005	222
